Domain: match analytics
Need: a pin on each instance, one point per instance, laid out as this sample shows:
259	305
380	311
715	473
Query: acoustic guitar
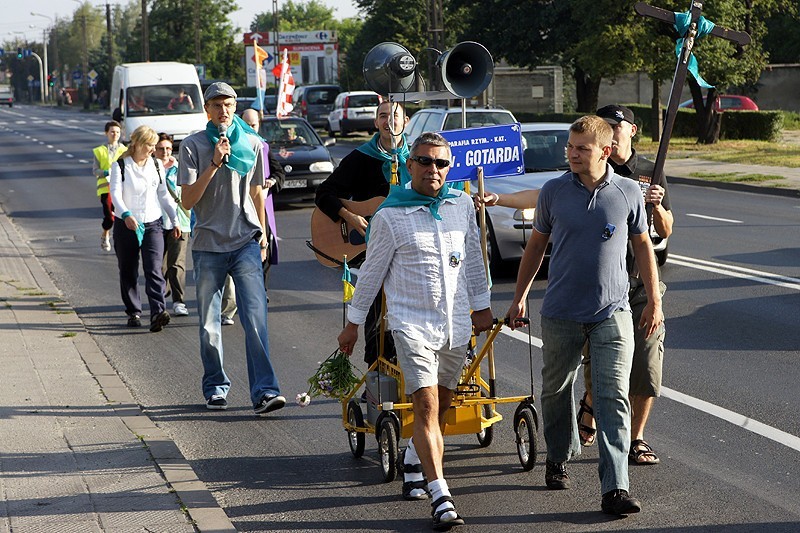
331	241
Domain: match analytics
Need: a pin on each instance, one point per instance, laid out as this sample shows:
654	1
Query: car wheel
661	256
330	130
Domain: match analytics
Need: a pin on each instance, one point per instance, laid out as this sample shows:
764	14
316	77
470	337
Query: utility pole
435	40
197	58
110	43
46	86
145	34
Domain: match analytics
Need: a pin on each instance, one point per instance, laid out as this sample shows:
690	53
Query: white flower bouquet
334	378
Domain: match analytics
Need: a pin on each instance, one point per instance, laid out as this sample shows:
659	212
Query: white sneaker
105	243
227	321
179	309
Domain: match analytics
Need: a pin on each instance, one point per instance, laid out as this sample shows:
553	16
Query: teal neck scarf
242	157
373	149
402	197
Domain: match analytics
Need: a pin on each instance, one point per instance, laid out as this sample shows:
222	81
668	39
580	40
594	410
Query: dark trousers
127	248
108	211
174	267
372	330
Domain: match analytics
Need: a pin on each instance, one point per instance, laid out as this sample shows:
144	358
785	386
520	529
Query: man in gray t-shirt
590	214
221	175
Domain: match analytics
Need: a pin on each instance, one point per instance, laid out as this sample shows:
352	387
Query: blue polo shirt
589	230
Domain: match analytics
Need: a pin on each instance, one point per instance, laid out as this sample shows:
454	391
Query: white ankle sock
438	488
411	458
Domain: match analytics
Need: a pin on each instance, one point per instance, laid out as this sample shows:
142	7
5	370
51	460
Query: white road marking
59	151
706	217
49	145
82	161
736	271
748	424
69	155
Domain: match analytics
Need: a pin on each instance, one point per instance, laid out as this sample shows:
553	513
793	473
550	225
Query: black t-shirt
358	177
640	169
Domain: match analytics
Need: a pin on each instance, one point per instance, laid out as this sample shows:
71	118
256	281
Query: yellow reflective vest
105	159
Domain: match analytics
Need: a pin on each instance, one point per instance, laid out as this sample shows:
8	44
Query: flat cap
614	114
219	88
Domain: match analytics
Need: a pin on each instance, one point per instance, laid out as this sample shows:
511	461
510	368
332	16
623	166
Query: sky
20	19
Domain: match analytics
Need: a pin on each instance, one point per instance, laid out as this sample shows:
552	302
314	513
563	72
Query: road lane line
736	272
714	218
748	424
754	426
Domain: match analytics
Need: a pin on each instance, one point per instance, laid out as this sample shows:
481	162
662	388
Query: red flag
285	89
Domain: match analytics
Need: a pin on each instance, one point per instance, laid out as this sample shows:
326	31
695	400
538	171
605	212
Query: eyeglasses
164	148
426	161
217	107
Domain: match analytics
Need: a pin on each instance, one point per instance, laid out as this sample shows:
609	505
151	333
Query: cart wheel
388	449
355	438
486	434
525	426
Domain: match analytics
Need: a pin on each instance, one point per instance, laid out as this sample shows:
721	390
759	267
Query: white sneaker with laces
179	309
227	321
105	243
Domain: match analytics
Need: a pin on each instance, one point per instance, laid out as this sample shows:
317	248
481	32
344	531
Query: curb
740	187
205	513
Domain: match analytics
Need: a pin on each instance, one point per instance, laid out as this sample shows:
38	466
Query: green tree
173	24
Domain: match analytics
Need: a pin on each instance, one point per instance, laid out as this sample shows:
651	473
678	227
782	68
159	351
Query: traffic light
19	53
51	81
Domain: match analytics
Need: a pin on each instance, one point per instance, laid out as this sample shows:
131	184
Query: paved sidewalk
76	451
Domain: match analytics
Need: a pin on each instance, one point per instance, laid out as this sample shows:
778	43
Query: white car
353	111
545	158
443	118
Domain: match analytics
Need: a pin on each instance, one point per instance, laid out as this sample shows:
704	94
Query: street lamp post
46	86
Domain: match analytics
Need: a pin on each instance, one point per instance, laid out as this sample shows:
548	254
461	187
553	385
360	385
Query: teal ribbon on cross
704	27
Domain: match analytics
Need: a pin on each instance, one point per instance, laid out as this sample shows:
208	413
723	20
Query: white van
163	95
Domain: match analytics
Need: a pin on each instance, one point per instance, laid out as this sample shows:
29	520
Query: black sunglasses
426	161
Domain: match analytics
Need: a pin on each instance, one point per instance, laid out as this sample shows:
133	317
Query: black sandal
438	525
588	430
409	486
642	453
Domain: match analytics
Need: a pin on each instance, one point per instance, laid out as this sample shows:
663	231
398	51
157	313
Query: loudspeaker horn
466	69
389	68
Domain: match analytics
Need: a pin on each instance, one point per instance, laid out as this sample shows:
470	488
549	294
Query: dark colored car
303	154
315	102
246	102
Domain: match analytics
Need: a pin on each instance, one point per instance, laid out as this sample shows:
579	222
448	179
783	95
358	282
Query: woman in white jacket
139	193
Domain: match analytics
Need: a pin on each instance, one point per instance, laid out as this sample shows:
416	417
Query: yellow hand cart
390	415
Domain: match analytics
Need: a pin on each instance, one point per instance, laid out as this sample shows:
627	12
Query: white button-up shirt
142	193
431	271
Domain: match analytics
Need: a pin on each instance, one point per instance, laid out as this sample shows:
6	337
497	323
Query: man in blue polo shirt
589	214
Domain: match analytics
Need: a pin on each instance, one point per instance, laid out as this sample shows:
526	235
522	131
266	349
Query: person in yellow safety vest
104	156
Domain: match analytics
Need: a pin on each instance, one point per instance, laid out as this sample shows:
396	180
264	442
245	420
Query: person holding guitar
363	176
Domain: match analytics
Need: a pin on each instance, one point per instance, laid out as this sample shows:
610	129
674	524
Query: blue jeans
611	346
244	266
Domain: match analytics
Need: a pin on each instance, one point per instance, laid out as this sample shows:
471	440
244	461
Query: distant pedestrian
222	175
174	267
139	191
104	156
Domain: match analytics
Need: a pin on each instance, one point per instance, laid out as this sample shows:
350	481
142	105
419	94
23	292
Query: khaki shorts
424	367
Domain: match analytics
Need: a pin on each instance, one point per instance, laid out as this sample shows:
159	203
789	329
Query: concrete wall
778	88
520	90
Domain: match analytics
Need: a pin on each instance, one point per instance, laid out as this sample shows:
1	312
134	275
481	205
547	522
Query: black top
358	177
640	169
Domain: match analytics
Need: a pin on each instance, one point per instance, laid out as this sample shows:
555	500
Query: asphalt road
726	429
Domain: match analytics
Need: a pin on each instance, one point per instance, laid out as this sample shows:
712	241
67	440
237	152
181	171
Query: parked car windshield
163	100
288	133
475	120
321	96
364	100
545	150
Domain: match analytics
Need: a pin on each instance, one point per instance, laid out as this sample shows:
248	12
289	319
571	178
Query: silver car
545	158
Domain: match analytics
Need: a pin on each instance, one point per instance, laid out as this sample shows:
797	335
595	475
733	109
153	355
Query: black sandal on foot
409	486
438	524
642	453
583	428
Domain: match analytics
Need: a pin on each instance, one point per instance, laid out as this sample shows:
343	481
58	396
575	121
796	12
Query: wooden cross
739	37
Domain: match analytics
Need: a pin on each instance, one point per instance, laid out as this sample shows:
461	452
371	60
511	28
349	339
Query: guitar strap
355	261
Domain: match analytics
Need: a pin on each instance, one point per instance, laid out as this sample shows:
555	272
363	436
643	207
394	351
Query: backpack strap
121	168
158	169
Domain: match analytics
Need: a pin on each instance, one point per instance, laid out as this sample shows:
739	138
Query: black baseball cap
614	114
